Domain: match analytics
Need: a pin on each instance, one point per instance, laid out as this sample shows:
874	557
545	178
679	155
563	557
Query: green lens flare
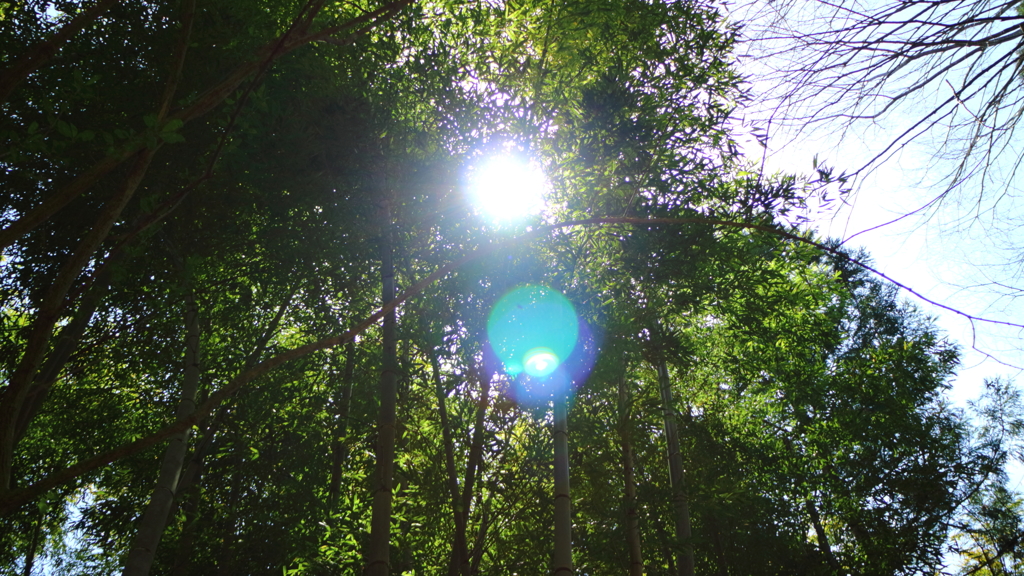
532	329
540	362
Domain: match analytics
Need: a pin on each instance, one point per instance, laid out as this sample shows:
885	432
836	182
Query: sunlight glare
540	362
506	188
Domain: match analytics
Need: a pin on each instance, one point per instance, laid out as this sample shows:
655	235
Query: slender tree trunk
338	453
722	560
193	473
667	547
460	551
66	344
823	543
12	401
383	483
636	561
33	546
683	545
12	499
194	469
563	510
154	519
481	537
476	449
183	554
226	558
210	429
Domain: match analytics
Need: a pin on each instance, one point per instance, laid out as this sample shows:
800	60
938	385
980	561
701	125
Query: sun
506	188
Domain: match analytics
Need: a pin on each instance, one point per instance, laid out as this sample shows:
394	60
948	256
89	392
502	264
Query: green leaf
172	137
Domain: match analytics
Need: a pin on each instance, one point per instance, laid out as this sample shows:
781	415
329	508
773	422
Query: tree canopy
246	299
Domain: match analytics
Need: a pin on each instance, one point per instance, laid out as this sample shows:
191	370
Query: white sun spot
506	188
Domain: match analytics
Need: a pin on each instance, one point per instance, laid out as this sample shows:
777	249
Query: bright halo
506	188
541	362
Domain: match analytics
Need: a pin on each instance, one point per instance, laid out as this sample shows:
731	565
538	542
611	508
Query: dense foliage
203	199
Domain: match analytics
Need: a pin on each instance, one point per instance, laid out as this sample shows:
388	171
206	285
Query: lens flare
532	329
535	392
540	362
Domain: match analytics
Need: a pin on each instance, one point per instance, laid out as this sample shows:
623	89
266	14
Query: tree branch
11	502
42	52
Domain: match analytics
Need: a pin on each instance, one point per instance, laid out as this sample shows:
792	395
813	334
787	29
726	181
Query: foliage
251	156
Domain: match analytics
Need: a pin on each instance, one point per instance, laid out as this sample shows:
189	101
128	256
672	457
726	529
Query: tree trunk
481	537
338	453
33	545
183	554
154	519
667	547
823	544
226	557
66	344
12	401
636	561
476	450
380	524
194	469
722	559
460	551
683	545
563	511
